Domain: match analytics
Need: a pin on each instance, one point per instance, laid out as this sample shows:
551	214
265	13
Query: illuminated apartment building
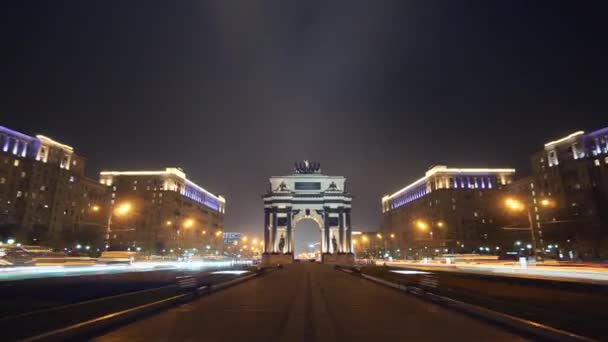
45	197
166	211
573	173
448	210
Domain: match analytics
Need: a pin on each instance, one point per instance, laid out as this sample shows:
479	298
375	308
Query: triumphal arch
307	194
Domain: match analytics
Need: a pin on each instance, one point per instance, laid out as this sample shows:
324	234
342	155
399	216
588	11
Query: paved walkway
309	302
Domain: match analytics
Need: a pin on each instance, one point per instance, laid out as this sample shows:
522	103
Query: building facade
572	172
454	210
162	211
45	197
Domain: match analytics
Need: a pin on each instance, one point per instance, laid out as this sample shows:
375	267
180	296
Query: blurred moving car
117	257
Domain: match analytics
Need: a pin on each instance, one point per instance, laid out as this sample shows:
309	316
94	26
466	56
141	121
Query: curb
519	324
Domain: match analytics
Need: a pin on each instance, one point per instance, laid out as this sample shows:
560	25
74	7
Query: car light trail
539	271
236	272
409	272
31	272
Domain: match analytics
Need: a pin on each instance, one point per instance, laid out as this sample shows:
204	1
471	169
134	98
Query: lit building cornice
444	169
170	171
566	138
15	133
50	141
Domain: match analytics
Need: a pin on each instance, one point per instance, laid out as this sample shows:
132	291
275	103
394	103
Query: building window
553	158
597	162
606	160
577	152
19	194
134	188
16	162
64	162
23	174
71	179
2	180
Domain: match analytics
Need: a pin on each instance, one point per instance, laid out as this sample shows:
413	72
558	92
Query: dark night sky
236	91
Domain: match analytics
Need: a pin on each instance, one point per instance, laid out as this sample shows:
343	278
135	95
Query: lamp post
516	205
121	210
187	223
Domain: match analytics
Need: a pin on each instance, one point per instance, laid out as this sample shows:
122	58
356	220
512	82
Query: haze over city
234	93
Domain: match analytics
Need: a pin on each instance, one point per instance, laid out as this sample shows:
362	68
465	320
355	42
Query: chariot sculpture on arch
307	194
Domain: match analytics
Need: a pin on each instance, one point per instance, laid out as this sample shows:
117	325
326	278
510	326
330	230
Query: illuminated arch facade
307	194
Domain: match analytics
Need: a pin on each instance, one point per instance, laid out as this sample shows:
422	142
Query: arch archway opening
307	239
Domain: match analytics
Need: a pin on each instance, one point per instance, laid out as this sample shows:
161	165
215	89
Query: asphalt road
308	302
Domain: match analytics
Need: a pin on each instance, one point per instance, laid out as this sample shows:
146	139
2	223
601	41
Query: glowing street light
440	224
546	202
421	225
188	223
120	210
392	236
123	209
517	205
168	223
95	208
218	233
514	204
379	236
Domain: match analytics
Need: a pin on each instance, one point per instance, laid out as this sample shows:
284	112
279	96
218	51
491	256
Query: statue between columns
334	243
281	244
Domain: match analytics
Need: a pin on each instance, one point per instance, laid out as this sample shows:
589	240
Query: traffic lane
308	302
362	310
254	310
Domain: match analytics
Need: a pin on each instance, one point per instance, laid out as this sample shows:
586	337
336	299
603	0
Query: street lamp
123	208
421	225
517	205
120	210
188	223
